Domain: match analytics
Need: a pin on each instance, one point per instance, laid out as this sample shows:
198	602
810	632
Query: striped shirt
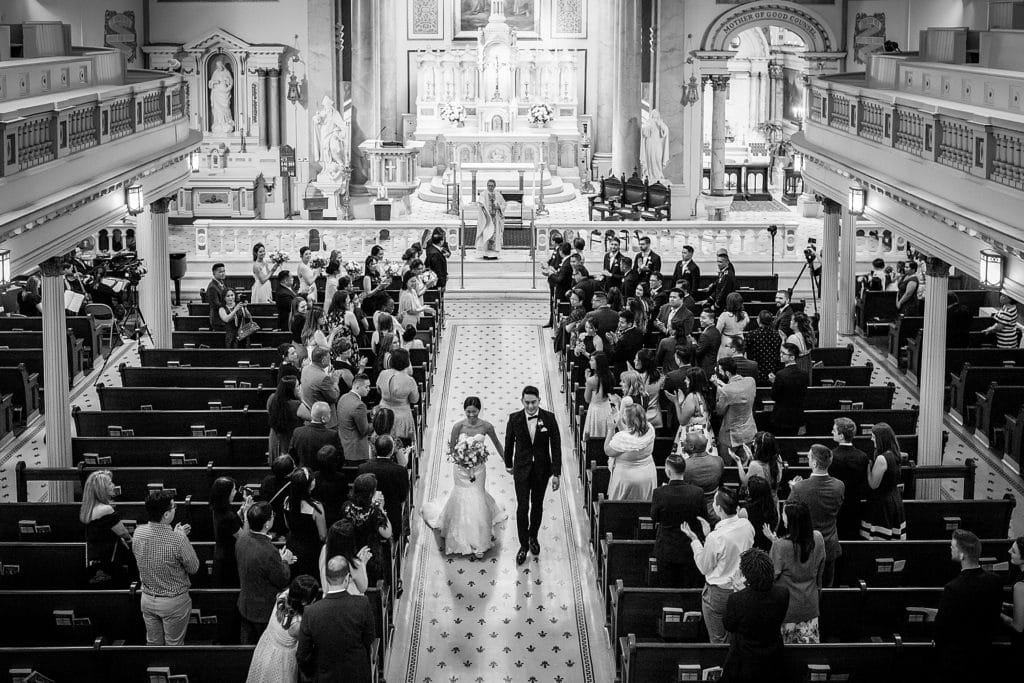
1006	327
165	560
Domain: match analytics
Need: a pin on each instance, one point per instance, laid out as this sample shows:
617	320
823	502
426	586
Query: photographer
232	313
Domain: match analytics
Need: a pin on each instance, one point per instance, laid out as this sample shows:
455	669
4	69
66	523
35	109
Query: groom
533	454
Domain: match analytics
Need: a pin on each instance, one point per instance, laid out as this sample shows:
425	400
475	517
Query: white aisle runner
489	620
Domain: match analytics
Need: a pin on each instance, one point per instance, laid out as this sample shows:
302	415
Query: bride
467	519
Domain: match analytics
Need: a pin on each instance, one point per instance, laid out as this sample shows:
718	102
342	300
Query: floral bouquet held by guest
278	257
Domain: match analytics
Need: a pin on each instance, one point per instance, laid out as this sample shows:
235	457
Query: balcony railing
994	151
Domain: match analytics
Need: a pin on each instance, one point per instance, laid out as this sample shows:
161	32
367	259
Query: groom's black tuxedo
533	462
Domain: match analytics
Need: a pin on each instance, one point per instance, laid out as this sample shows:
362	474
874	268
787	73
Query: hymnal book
212	619
245	385
146	406
27	527
154	487
688	672
180	459
114	430
178	678
213	405
73	301
845	405
921	615
27	676
819	672
82	621
204	346
243	363
64	617
42	529
117	490
230	384
210	432
173	492
12	569
194	616
253	489
840	383
190	345
173	364
197	430
96	459
712	673
159	674
857	405
127	432
865	429
130	525
951	523
645	524
989	564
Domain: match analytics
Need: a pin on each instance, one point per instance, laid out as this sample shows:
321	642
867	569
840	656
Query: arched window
103	240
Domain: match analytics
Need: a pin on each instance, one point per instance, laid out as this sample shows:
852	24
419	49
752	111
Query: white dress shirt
719	558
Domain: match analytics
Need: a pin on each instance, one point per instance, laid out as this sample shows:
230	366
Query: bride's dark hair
471	401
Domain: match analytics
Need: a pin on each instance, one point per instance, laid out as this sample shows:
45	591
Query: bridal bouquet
278	257
353	268
540	113
428	279
469	452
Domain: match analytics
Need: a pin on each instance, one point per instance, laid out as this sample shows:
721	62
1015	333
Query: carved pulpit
391	171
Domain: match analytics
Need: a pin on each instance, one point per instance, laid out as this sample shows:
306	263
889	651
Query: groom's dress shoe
521	556
534	546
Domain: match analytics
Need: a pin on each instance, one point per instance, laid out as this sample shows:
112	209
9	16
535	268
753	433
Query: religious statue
222	121
331	134
654	147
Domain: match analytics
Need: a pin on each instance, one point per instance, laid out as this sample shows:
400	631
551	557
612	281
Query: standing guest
274	660
331	486
1005	323
724	284
850	466
585	284
30	300
616	264
763	347
410	340
969	614
319	383
624	342
671	505
340	319
107	542
283	298
718	559
761	509
652	384
754	617
734	401
436	260
337	632
588	342
341	540
703	469
789	391
803	338
307	275
644	263
261	273
273	489
615	299
579	246
823	495
227	526
297	321
657	293
410	307
763	460
629	450
640	305
687	269
215	295
262	572
799	559
706	354
307	526
599	419
691	401
353	424
560	279
398	391
1015	618
371	526
673	311
551	267
165	558
333	276
884	519
732	321
675	369
736	348
674	351
605	317
232	314
568	324
783	314
906	297
310	438
282	415
290	362
374	283
392	480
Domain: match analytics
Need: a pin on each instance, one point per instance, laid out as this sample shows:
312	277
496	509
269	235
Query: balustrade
122	117
81	127
838	111
909	134
152	109
955	144
872	121
34	141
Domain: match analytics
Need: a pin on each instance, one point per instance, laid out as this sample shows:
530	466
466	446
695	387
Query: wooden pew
143	451
905	328
831	398
111	615
874	310
764	283
34	340
216	340
197	376
199	323
61	518
170	422
80	326
992	405
20	388
181	398
837	355
32	359
81	664
956	358
965	386
935	519
820	422
1013	440
210	358
854	375
202	310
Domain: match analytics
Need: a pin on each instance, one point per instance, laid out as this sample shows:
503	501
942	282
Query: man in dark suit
687	269
674	378
657	292
644	263
724	284
551	266
673	311
581	280
671	505
706	355
309	439
783	314
850	466
353	425
215	295
392	480
604	316
560	280
736	348
283	298
262	572
615	266
969	614
789	389
533	454
824	496
435	260
624	343
337	632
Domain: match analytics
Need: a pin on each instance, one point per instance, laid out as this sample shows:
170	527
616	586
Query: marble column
829	274
374	76
386	33
778	85
154	289
847	273
933	373
261	76
604	108
56	401
273	113
626	94
719	84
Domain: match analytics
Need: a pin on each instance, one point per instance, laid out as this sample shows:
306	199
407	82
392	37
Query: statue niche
221	84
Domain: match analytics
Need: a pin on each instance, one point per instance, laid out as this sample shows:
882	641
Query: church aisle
488	620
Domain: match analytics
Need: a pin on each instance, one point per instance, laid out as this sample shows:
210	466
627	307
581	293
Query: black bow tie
533	417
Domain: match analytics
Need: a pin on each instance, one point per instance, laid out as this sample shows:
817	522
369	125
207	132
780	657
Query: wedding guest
583	282
680	364
340	317
734	401
761	510
789	392
687	269
1015	618
703	469
214	295
261	273
763	347
365	509
283	298
629	449
907	301
615	264
410	307
307	275
799	559
337	632
671	505
310	438
383	422
691	402
307	526
656	293
823	495
319	383
724	284
261	574
783	317
273	489
803	339
736	348
718	559
274	659
706	353
282	416
568	324
232	314
107	541
884	519
558	271
410	340
644	263
435	258
353	424
763	460
675	350
392	480
1005	321
290	362
297	320
624	342
599	418
165	559
850	466
653	381
227	526
333	275
398	391
753	618
341	540
374	284
331	483
732	321
615	301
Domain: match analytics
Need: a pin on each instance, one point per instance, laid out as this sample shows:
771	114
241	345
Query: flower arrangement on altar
540	114
278	257
453	113
469	452
354	269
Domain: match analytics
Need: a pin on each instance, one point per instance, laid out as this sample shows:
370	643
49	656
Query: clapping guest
331	487
392	480
799	559
282	415
624	342
261	574
761	509
319	382
569	323
629	448
734	401
823	494
763	460
671	505
227	526
678	344
596	392
307	526
341	540
365	510
274	659
272	490
703	469
753	618
232	313
108	542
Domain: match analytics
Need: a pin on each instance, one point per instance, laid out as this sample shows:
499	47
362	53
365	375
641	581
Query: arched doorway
813	30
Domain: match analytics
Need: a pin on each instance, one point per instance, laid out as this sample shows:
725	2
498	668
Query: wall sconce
5	266
691	95
855	204
294	94
991	268
134	199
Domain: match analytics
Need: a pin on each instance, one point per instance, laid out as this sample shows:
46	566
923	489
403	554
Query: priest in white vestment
491	223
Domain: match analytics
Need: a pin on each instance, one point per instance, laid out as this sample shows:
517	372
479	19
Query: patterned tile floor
488	620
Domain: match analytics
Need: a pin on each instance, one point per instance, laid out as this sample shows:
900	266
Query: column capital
274	73
719	81
261	72
936	267
52	267
160	205
831	206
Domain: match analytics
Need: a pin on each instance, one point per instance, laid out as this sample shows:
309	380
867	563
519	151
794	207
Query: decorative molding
52	267
936	267
568	18
425	20
160	205
719	82
805	22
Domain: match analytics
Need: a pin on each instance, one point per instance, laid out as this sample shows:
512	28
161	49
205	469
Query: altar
498	104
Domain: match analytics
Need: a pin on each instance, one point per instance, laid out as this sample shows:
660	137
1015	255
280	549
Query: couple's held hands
704	526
